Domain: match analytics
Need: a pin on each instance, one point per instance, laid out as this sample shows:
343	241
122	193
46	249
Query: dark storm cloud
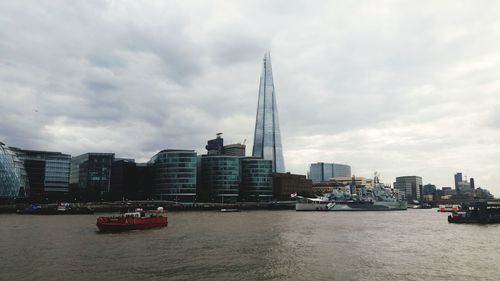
389	86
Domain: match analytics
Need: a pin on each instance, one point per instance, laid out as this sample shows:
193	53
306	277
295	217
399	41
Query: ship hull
311	207
369	206
352	206
123	224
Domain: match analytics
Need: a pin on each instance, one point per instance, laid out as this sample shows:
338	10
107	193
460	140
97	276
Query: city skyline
355	84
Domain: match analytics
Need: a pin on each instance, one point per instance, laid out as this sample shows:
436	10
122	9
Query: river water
252	245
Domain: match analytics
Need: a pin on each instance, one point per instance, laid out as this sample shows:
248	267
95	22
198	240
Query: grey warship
350	198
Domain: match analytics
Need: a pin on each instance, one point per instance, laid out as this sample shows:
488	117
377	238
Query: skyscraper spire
267	136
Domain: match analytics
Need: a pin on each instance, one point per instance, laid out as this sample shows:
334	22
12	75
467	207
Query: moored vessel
483	212
229	210
139	219
350	198
448	208
60	209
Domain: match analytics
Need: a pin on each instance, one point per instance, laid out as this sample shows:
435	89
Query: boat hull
123	224
369	206
352	206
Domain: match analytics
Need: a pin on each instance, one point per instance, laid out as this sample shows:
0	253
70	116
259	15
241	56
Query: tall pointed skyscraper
267	137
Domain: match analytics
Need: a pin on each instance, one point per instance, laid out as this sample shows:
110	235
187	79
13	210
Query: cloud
403	89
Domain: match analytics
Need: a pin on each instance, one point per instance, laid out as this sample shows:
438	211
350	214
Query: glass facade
221	177
56	168
175	175
92	170
322	172
257	179
267	136
13	177
410	186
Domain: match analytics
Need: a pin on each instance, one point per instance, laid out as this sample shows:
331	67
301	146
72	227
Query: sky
397	87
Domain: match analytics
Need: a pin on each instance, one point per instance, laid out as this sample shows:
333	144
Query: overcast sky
398	87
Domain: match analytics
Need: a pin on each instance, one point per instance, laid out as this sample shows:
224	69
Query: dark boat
133	220
61	209
477	212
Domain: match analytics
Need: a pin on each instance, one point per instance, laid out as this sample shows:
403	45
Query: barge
483	212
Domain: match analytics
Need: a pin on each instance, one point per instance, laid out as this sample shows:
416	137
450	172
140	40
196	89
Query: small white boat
229	210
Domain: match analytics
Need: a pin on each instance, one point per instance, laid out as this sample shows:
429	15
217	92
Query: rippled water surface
252	245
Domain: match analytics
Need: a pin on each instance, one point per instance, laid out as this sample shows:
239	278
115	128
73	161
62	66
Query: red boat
134	220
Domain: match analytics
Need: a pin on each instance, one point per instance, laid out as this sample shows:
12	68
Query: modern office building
458	179
48	173
464	187
174	175
410	186
285	184
221	177
35	170
13	176
256	179
267	136
472	184
130	180
215	146
226	175
322	172
429	189
236	149
92	171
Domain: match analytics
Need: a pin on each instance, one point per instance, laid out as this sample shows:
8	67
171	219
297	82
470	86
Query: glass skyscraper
267	137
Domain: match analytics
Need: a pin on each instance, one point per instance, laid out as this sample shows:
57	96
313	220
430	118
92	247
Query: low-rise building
285	184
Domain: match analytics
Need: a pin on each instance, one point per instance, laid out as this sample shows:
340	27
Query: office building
174	175
256	179
464	187
92	171
285	184
48	173
267	136
215	146
130	180
429	189
35	170
220	177
13	176
322	172
458	179
236	149
410	186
